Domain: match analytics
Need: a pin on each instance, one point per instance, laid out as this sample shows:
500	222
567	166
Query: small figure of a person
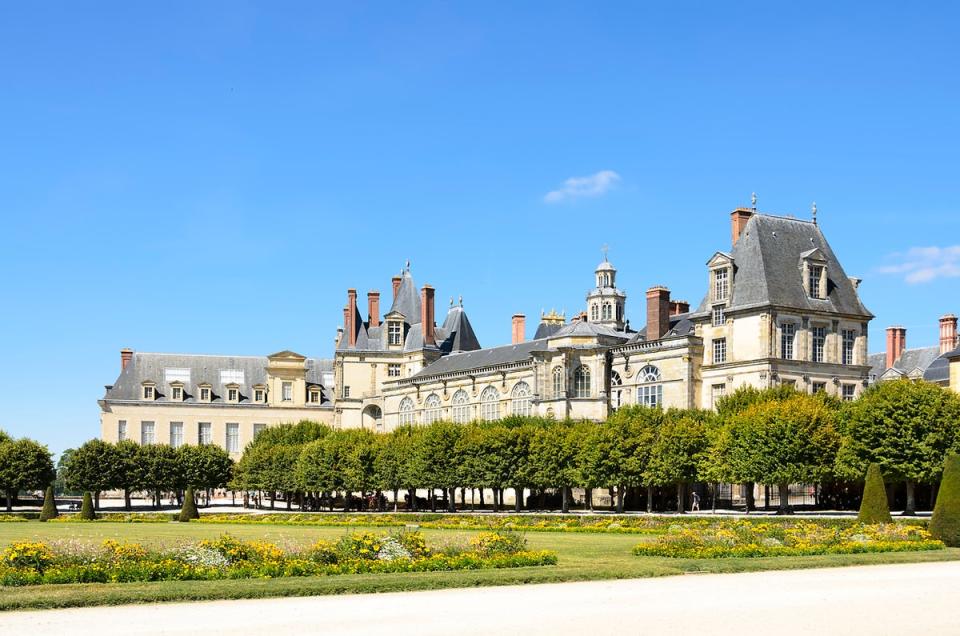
695	504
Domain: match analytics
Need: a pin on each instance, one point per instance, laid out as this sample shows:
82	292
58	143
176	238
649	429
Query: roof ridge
786	218
216	355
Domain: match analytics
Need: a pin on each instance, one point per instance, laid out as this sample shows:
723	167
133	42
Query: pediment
719	258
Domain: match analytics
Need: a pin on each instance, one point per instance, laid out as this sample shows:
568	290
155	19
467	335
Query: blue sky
212	178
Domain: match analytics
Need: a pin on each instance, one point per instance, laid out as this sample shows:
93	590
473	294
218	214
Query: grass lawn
581	557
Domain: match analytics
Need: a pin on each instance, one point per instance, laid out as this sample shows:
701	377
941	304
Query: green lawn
581	557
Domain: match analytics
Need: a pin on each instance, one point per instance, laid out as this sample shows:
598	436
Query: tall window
650	393
205	433
607	312
719	350
393	370
559	390
721	284
520	399
395	332
204	394
233	438
581	382
616	390
849	341
147	433
816	272
594	313
148	392
432	409
788	333
717	391
490	404
176	434
819	340
719	316
176	394
121	430
233	395
461	407
287	391
849	392
406	411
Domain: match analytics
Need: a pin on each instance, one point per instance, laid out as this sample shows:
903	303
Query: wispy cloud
925	264
594	185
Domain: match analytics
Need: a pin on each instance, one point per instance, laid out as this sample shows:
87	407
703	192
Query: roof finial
451	301
604	248
814	211
753	200
461	301
408	264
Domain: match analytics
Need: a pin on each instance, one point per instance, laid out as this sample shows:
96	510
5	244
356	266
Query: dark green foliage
49	506
86	509
945	524
874	507
189	510
24	465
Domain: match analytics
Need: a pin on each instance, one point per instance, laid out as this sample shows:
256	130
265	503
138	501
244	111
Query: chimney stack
658	312
738	221
373	308
519	324
396	287
896	344
352	317
427	316
346	324
948	333
679	307
126	355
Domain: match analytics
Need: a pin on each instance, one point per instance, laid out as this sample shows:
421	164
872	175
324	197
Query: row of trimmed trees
24	465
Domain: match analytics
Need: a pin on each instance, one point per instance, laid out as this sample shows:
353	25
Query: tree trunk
649	498
346	501
433	500
452	499
126	499
518	493
9	501
273	499
156	494
680	502
911	507
766	497
713	505
463	498
566	500
286	496
588	499
784	508
619	499
482	504
496	501
748	495
412	494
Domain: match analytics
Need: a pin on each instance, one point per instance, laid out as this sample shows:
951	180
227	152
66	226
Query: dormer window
816	273
149	391
314	396
259	394
176	393
233	393
721	284
205	393
394	333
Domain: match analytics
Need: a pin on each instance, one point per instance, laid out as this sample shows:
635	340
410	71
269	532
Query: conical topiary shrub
189	510
874	507
49	506
945	523
86	509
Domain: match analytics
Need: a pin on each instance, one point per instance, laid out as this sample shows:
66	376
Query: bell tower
606	304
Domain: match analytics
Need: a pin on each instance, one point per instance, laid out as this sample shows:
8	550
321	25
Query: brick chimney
352	317
896	344
519	330
346	324
738	221
948	333
396	287
373	308
427	316
126	355
658	312
679	307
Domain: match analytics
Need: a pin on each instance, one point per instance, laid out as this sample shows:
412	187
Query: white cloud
594	185
924	264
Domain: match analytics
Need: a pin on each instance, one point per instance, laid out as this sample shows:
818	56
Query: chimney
396	287
658	312
679	307
126	355
519	328
373	308
896	343
352	317
346	324
427	316
738	221
948	333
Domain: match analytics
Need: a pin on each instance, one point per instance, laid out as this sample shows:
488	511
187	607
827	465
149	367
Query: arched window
607	313
490	404
581	382
650	392
616	390
432	410
558	384
520	399
406	411
461	407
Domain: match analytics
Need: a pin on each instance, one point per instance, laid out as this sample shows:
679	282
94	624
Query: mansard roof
912	362
481	358
767	269
586	328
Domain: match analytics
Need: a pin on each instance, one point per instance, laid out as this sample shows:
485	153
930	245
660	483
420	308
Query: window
233	438
393	370
651	392
205	433
607	312
819	340
147	433
719	317
849	392
594	313
314	396
176	394
818	387
432	411
461	407
616	391
204	394
176	434
233	395
816	272
520	403
849	340
788	333
558	388
717	391
149	392
395	332
346	391
719	350
286	391
490	404
581	382
721	284
259	395
257	429
121	430
406	411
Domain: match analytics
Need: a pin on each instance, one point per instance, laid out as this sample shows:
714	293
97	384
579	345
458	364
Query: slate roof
680	325
205	369
911	360
459	335
482	358
584	328
546	329
407	301
767	269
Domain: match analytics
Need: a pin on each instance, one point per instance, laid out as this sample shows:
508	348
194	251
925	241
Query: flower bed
32	563
718	539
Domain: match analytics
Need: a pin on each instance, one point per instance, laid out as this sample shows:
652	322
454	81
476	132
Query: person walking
695	504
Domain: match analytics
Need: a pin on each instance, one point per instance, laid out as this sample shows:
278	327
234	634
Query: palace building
778	309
